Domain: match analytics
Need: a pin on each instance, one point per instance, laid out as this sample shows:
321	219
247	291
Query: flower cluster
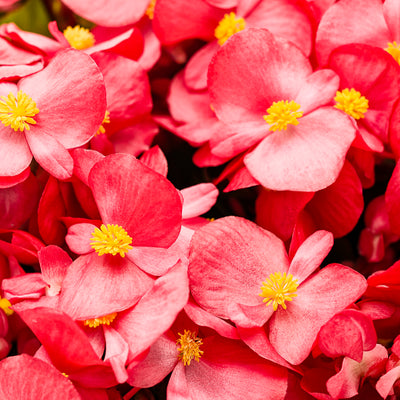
276	119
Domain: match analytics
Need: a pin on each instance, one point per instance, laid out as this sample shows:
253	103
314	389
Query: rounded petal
138	199
307	157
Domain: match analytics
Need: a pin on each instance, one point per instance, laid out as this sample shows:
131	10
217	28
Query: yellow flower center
394	50
111	239
282	113
278	289
5	305
78	37
189	347
228	26
106	120
18	112
351	102
95	322
150	9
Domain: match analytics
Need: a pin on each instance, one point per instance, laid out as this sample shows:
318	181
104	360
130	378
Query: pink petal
116	353
100	285
195	73
39	380
175	20
310	255
318	299
204	318
155	159
229	260
155	312
159	362
83	162
50	154
198	199
307	157
391	13
54	262
15	153
78	238
106	13
385	384
140	200
348	333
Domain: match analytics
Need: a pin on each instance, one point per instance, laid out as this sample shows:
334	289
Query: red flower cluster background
200	200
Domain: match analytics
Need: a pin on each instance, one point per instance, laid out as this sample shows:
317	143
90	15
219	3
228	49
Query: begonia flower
279	112
253	284
49	112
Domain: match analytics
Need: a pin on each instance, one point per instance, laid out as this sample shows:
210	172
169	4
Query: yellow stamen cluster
228	26
189	347
111	239
278	289
394	50
351	102
78	37
281	114
106	120
150	9
95	322
5	305
18	112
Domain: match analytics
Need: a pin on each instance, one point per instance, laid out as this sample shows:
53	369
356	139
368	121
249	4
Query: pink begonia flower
253	284
207	366
25	377
286	19
392	200
279	112
109	12
58	108
369	87
359	21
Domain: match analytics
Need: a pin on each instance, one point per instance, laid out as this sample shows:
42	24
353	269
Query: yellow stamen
5	305
278	289
189	347
228	26
95	322
18	112
150	9
394	50
282	113
351	102
78	37
111	239
66	375
106	120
